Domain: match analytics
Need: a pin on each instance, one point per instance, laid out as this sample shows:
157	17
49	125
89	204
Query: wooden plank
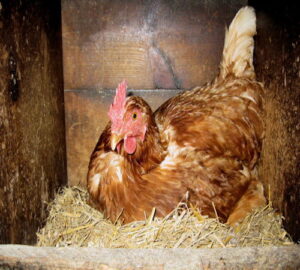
48	258
86	117
153	44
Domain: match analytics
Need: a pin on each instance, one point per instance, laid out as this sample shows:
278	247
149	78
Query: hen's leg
252	198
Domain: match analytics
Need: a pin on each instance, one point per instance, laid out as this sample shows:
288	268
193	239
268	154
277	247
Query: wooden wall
157	44
32	142
154	45
277	63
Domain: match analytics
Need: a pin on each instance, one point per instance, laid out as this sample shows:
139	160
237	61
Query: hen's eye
134	116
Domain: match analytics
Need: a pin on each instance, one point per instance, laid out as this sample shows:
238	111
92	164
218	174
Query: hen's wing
228	122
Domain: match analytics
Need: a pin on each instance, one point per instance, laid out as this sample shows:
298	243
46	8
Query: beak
115	139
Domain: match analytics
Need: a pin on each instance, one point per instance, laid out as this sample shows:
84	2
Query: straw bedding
72	222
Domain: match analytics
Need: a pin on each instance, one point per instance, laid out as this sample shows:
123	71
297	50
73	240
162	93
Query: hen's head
129	120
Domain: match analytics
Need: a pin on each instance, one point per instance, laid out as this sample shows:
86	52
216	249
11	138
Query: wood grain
277	66
32	139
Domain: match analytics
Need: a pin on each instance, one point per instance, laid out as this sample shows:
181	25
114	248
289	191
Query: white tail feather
239	44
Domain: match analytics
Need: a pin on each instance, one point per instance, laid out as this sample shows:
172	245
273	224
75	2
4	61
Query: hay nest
72	222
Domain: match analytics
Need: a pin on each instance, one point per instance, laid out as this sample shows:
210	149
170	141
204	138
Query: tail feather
239	45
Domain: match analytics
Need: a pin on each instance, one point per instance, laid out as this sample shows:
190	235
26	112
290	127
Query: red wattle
130	145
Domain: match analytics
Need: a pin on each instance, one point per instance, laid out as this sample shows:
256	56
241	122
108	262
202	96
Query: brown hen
201	146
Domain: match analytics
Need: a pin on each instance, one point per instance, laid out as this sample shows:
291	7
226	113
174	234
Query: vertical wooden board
32	143
86	117
277	65
153	44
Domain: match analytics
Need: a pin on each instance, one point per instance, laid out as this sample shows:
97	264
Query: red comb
116	109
